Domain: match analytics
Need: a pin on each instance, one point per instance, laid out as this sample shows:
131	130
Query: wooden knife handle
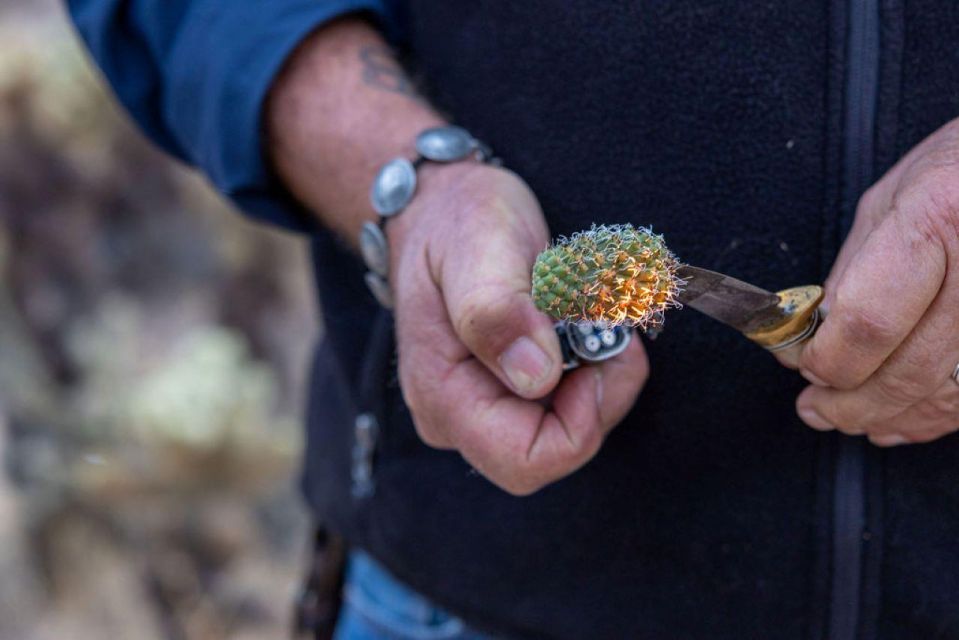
801	318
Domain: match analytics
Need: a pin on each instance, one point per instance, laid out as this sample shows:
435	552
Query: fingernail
813	378
893	440
525	364
814	420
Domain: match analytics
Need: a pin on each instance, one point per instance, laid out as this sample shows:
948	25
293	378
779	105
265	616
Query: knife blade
779	322
740	305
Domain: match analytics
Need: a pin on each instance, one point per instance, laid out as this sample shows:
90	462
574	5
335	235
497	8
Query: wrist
329	127
394	188
445	192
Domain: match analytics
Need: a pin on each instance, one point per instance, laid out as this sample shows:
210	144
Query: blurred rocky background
152	351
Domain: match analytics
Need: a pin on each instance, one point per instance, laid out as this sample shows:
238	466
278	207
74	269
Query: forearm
339	110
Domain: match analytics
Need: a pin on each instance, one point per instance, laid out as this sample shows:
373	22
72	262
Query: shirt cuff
220	71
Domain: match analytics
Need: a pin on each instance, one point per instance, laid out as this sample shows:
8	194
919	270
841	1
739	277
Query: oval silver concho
393	187
380	289
374	249
445	144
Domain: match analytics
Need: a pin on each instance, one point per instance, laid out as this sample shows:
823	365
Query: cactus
616	274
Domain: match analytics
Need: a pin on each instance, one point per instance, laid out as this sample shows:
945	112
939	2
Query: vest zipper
849	493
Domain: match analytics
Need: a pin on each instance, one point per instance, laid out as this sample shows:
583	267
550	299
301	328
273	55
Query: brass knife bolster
801	318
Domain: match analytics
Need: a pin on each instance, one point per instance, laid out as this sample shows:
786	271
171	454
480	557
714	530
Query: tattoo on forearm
381	71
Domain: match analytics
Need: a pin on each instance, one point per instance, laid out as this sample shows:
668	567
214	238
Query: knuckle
901	390
824	370
578	448
860	331
928	411
531	475
412	398
937	217
864	327
420	401
869	201
578	452
825	367
483	208
590	445
430	436
484	199
482	310
475	303
813	364
425	428
934	230
945	406
940	183
520	487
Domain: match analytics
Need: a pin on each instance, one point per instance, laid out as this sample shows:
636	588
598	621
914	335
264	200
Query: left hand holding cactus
475	355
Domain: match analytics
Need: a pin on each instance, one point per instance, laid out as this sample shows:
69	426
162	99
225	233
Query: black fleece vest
711	511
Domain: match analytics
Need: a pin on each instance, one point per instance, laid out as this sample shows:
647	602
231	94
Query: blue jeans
376	606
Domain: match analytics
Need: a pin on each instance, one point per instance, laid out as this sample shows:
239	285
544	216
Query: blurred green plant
152	353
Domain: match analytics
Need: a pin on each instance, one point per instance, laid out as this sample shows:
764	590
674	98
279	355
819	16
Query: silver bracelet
392	191
394	188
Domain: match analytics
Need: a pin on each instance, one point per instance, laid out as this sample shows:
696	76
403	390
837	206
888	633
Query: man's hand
882	360
476	358
474	353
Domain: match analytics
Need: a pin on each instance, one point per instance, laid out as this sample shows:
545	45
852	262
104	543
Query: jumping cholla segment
616	274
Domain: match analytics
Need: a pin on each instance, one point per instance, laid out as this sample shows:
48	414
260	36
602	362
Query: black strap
318	605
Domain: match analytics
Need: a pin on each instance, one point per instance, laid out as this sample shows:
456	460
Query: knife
779	322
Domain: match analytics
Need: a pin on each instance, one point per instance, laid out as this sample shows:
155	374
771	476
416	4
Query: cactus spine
618	274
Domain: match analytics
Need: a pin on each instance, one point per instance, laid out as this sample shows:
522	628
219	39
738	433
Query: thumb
486	288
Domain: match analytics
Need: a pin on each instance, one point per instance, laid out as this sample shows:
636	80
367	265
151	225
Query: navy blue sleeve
194	75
